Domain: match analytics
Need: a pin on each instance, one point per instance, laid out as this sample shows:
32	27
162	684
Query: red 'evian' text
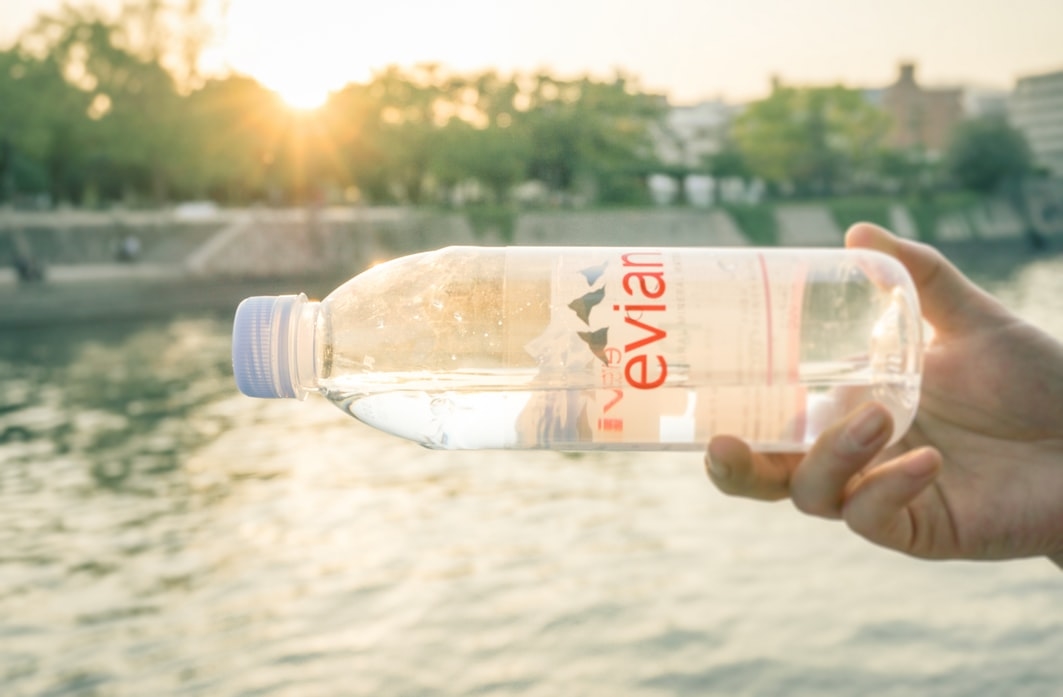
643	280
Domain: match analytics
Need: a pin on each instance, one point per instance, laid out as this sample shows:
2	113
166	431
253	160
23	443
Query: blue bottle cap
262	345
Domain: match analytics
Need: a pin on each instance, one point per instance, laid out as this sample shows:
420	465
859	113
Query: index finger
736	470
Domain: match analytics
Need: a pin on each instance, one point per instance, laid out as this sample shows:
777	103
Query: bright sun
292	55
302	89
303	95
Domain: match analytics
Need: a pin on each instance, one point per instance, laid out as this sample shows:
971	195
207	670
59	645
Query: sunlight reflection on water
160	534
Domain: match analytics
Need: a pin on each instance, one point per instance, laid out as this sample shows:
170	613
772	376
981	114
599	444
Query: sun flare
301	83
302	95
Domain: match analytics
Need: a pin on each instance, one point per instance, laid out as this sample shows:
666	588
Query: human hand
979	475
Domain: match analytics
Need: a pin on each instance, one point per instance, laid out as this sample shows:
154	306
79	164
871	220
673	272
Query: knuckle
817	506
860	523
747	487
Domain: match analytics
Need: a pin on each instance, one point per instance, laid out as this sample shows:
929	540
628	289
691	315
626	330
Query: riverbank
209	263
86	296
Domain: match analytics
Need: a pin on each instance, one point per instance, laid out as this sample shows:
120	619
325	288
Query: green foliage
239	149
99	111
95	109
928	212
499	222
987	152
757	221
729	161
423	135
810	140
623	188
853	209
907	170
493	156
88	106
582	129
42	125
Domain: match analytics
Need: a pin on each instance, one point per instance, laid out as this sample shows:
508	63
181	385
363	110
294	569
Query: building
1036	109
685	142
693	133
981	102
922	118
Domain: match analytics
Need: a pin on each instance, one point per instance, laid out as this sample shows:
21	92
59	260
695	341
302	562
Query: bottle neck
302	326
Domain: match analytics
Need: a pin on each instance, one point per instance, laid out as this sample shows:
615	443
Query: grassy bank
758	222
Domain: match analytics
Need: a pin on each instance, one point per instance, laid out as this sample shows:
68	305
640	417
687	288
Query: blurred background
159	161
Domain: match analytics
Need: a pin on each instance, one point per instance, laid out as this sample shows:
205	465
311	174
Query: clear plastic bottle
585	348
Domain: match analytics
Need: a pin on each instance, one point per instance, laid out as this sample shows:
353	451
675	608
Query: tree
599	131
985	153
131	98
481	142
493	156
810	139
101	107
907	170
43	127
236	131
727	163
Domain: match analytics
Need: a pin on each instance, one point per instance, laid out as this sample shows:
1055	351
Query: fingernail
718	469
867	428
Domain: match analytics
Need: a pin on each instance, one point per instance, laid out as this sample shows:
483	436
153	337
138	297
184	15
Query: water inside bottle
507	409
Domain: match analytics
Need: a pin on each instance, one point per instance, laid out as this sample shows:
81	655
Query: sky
687	49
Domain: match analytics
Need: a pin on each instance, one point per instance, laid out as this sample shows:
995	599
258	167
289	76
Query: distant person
28	267
979	475
129	249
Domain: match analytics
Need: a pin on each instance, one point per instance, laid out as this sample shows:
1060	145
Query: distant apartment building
985	101
922	118
688	137
1036	109
693	133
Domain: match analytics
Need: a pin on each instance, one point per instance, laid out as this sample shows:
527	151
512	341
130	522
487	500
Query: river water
162	535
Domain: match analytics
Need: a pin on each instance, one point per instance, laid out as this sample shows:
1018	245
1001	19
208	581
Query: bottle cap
263	364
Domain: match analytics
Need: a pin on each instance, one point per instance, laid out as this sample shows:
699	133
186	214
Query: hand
979	475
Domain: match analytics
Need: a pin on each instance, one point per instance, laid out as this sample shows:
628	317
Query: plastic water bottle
587	348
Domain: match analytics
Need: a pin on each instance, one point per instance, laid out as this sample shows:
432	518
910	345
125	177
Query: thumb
949	300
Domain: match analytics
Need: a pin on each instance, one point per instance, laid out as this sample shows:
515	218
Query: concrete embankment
211	262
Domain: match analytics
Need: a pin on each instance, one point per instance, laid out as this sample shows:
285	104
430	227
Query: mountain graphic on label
597	341
593	273
583	305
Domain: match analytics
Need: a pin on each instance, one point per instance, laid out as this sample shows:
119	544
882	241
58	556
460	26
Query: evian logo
638	362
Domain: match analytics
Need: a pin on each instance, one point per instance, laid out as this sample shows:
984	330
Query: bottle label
677	345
